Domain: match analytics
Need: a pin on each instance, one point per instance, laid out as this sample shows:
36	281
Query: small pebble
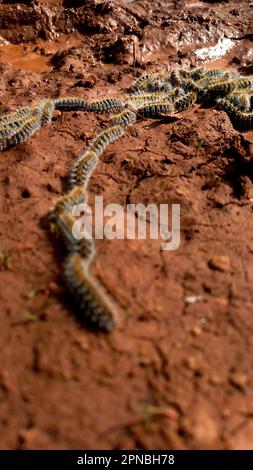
220	263
192	299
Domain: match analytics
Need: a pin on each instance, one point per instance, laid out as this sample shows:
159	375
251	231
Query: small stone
202	425
82	342
226	412
191	363
54	288
196	331
6	383
222	301
220	263
239	380
216	379
192	299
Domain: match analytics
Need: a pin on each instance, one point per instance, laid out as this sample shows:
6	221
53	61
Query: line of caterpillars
152	96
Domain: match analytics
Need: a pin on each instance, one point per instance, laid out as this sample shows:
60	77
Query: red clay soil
177	372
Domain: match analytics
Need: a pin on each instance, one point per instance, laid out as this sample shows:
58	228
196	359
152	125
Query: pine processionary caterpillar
65	222
82	169
242	120
150	98
104	138
45	110
13	117
221	88
9	130
72	198
156	109
70	103
241	100
92	302
245	83
105	106
25	131
124	119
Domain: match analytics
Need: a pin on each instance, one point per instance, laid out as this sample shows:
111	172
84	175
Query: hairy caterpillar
23	132
105	106
92	302
13	117
241	100
243	120
82	169
9	130
154	110
221	88
70	103
124	119
66	202
45	110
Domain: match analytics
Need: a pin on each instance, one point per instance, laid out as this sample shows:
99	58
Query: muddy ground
177	372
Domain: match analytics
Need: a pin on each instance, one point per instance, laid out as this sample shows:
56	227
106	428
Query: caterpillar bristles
241	100
77	104
18	121
142	84
185	102
151	98
104	138
245	83
85	247
176	78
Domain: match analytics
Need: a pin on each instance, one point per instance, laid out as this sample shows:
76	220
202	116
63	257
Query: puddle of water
24	56
17	58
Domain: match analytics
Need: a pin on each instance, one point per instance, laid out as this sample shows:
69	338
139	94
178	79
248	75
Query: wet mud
177	372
